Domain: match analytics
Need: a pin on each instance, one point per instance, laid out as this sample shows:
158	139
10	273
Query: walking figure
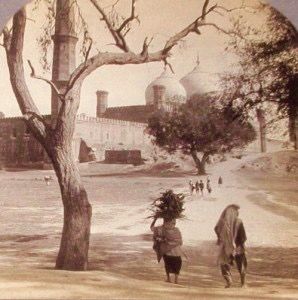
167	245
231	239
208	186
219	181
201	185
191	187
197	186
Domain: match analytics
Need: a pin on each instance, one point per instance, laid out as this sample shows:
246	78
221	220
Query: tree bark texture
73	252
200	164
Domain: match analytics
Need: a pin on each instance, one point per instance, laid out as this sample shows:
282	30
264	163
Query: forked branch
51	83
120	32
6	38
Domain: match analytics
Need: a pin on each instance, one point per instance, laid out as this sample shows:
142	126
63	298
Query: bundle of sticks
168	206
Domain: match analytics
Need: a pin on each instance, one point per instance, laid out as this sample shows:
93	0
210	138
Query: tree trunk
296	131
200	164
293	111
73	252
262	128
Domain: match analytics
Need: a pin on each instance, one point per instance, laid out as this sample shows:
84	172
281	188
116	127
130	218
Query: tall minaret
64	56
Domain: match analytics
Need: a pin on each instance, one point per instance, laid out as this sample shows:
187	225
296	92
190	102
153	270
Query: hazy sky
126	84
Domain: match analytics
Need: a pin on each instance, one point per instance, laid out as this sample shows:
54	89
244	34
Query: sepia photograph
148	149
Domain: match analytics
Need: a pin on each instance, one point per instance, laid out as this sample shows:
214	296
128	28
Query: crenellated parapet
87	119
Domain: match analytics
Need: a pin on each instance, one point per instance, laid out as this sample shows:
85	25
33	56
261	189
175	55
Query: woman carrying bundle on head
168	242
167	237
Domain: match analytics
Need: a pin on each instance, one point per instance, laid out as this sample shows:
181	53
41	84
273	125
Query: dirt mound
279	163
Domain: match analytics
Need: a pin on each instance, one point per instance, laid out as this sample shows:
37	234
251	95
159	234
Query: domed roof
198	83
174	90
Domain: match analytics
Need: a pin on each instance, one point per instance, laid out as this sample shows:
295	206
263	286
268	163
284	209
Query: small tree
200	128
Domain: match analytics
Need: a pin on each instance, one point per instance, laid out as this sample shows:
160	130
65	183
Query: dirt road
122	263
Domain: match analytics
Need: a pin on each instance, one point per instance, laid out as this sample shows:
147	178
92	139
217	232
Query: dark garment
241	263
172	264
201	186
209	187
157	249
197	187
241	235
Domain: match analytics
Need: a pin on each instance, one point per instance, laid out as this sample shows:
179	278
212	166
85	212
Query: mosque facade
121	128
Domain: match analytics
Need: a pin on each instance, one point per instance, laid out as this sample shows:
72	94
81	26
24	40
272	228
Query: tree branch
193	27
228	32
6	37
130	18
116	33
129	57
14	55
51	83
88	49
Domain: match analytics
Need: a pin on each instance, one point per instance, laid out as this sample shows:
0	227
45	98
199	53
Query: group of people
199	186
231	238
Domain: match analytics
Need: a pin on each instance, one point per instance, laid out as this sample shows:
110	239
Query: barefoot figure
167	244
231	239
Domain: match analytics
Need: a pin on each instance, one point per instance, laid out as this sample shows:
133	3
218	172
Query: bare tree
57	139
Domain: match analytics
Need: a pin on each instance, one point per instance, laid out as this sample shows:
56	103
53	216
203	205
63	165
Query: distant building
113	128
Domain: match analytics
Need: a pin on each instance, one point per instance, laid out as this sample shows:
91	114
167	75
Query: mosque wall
102	134
96	135
17	145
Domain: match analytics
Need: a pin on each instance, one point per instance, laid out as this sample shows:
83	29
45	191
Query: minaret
64	56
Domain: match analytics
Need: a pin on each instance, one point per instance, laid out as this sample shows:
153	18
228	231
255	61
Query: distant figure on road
47	179
219	181
208	186
197	186
231	239
167	245
191	187
201	185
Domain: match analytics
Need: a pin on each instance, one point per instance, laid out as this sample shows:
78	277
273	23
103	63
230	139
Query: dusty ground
122	263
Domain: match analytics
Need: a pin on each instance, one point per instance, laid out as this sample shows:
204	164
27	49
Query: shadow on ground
133	258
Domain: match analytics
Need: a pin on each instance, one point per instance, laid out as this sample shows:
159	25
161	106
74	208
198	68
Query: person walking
201	185
208	186
167	245
219	181
231	238
197	186
191	187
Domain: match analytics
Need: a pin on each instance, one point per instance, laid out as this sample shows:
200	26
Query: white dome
199	83
174	90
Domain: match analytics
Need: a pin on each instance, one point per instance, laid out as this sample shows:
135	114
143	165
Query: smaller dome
198	83
174	90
